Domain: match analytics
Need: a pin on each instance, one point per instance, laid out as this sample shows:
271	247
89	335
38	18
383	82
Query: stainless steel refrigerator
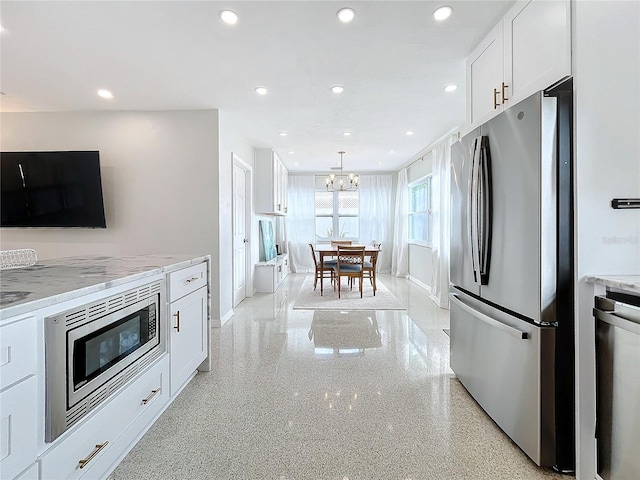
511	273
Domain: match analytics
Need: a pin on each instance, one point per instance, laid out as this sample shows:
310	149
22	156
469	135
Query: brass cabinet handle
495	99
192	279
504	95
177	315
151	395
83	463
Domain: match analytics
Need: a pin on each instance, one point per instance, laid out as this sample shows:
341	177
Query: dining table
327	250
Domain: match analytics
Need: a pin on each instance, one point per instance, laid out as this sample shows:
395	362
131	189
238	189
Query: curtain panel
400	257
375	216
441	209
299	223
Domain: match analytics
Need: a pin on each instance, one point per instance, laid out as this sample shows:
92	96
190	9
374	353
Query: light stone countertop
630	283
49	282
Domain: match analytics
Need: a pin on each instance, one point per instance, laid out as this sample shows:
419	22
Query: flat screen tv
51	189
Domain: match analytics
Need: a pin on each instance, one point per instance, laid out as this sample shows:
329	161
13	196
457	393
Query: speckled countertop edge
630	283
49	282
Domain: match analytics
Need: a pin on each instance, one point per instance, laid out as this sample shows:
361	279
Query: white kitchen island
99	432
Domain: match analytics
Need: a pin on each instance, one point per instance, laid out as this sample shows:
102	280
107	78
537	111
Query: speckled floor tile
295	395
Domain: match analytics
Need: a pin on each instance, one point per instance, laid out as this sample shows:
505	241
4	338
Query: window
420	220
337	215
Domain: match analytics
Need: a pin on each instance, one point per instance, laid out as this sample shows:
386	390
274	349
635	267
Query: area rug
310	299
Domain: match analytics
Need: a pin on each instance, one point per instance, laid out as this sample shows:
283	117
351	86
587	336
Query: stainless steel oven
93	350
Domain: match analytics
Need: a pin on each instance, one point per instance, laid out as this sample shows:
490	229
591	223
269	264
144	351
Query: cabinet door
537	45
188	324
18	427
484	78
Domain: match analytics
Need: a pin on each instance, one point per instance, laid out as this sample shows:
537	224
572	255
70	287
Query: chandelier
339	183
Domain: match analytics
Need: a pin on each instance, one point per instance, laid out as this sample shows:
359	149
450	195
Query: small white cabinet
188	313
271	181
271	274
529	50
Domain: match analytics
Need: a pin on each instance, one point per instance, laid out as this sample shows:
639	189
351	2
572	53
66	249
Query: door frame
248	209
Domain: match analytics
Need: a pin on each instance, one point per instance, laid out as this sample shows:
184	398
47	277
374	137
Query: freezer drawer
618	389
506	364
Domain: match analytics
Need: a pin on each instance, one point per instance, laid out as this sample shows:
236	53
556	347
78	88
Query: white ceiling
393	60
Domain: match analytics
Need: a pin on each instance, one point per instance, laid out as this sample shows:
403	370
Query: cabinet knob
495	99
504	95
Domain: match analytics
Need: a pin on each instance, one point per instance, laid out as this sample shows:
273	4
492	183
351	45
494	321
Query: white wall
231	142
606	58
159	176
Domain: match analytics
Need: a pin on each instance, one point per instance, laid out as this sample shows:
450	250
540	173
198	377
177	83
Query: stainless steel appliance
93	350
511	273
618	385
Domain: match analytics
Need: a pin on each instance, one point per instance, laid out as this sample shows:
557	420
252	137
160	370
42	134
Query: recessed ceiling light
283	134
105	93
409	132
229	17
450	88
345	15
261	90
295	164
291	152
391	151
379	163
442	13
337	89
346	134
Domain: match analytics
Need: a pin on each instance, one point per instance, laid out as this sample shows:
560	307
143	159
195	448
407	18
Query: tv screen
51	189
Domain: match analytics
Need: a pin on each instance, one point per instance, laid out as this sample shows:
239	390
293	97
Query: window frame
335	216
428	180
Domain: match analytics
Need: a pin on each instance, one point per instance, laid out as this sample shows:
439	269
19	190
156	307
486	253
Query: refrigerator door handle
484	209
474	210
487	319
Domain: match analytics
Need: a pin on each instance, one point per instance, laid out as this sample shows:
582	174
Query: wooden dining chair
335	243
370	266
350	263
321	271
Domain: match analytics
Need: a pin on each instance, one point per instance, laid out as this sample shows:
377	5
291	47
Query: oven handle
177	315
83	463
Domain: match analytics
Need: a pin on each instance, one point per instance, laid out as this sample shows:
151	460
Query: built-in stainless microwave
93	350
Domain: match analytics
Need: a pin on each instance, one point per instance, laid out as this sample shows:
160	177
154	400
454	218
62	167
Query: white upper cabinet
271	179
485	74
529	50
537	46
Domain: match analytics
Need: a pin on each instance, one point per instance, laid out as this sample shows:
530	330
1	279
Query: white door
239	235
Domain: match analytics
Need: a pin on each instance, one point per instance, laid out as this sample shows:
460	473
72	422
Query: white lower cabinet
188	337
18	427
94	448
271	274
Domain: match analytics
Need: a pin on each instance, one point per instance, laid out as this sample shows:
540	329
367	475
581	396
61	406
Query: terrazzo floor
343	396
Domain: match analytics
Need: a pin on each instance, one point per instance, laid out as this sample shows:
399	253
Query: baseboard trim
420	284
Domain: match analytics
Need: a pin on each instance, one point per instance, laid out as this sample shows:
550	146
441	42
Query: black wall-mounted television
51	189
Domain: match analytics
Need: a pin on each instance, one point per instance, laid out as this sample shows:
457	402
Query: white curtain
441	211
300	221
400	257
375	216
